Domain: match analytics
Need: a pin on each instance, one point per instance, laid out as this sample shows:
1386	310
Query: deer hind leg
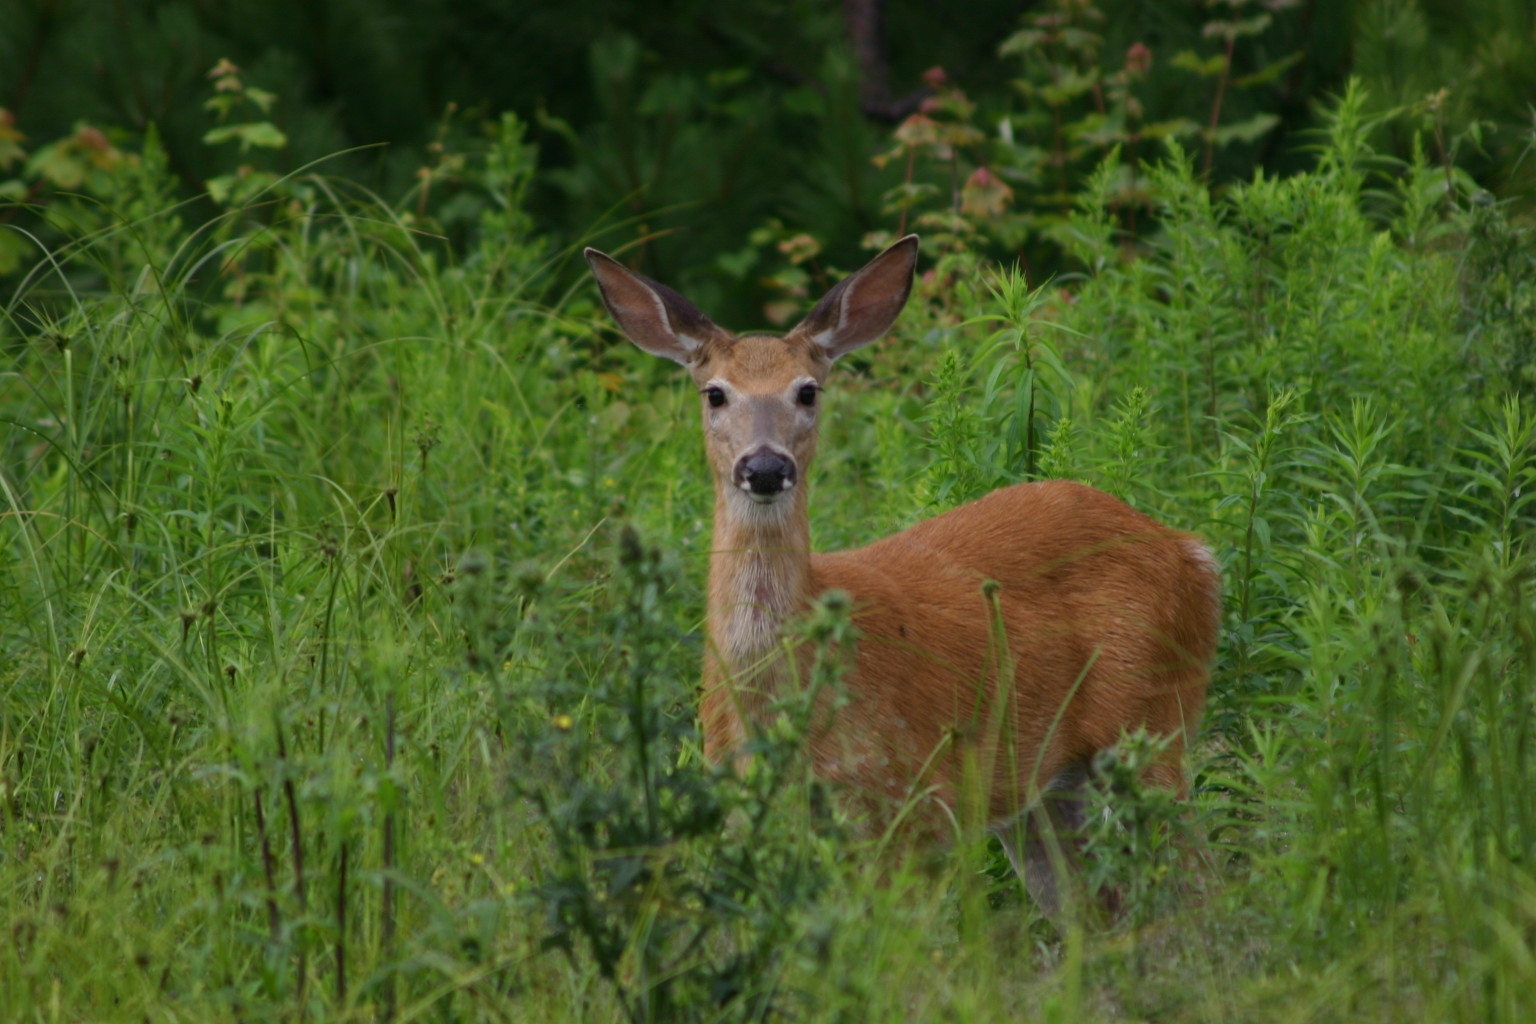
1197	866
1167	771
1177	719
1044	843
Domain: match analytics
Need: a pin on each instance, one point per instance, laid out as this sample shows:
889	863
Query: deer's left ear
864	304
652	315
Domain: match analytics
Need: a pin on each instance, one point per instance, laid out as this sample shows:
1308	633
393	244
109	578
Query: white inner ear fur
825	338
687	342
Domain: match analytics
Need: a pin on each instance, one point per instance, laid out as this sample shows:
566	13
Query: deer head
760	393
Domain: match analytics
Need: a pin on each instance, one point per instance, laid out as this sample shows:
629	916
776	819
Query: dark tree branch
864	23
47	20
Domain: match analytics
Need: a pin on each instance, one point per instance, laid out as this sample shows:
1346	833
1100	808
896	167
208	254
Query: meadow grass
352	592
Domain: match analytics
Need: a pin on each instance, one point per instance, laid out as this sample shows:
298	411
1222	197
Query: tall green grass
319	658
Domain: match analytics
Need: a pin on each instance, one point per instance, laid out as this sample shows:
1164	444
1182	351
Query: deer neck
759	579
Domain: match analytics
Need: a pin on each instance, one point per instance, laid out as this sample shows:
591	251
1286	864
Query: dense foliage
706	135
352	581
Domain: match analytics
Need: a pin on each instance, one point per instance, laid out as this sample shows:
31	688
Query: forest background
727	119
352	573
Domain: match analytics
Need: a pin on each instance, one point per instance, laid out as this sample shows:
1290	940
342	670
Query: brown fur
1109	618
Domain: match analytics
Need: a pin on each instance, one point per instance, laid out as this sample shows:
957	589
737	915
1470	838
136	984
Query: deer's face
761	400
761	394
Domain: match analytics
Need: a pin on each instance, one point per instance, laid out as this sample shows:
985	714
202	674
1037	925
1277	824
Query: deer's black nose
765	473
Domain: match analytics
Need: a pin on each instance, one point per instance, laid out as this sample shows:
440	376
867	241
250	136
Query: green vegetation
352	581
715	131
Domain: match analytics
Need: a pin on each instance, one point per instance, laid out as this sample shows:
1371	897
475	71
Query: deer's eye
716	397
807	395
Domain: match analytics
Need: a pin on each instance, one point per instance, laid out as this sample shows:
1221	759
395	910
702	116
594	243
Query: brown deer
1109	619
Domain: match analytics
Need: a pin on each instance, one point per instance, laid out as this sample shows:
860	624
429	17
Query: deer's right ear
865	304
652	315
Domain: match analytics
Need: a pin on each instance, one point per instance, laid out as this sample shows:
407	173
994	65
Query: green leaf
917	130
1244	131
1207	67
1270	72
1080	40
1022	42
10	153
233	189
220	188
59	164
738	264
1069	86
1179	127
13	249
908	195
1230	30
263	134
261	98
984	194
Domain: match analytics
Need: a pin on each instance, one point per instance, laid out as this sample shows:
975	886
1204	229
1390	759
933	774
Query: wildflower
1138	59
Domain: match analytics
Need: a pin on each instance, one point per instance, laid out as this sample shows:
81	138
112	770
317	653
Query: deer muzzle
764	474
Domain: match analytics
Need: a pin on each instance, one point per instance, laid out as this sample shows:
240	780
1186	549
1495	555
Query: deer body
1107	619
